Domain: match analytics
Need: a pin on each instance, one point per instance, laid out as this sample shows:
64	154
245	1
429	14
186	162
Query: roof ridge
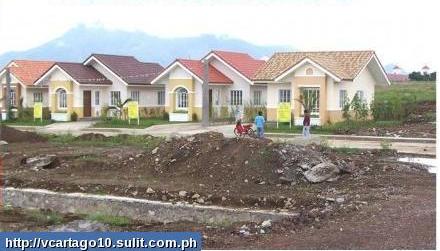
322	51
113	55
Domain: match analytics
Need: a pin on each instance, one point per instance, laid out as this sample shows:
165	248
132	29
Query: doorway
87	103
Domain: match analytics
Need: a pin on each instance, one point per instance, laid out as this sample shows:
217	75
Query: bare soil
382	203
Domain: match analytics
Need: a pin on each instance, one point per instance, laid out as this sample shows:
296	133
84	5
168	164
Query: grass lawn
422	90
119	123
27	122
333	128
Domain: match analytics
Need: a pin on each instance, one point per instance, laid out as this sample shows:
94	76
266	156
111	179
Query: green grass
44	217
119	123
147	142
421	90
118	221
27	122
344	126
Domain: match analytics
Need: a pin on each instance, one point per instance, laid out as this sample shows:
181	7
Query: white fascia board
55	67
379	65
171	67
105	67
304	61
212	54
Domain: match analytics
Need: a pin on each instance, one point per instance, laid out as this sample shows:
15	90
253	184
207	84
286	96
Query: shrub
166	116
195	117
73	116
359	107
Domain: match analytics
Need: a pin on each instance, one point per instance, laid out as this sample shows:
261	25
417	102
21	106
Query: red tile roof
242	62
84	74
28	71
398	77
196	67
129	68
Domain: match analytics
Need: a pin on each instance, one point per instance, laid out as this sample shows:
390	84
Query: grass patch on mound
118	221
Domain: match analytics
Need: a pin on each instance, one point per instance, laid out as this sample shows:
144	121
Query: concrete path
424	146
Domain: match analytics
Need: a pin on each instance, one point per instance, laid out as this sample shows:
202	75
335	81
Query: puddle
429	162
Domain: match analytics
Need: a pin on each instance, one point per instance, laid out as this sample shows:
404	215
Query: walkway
424	146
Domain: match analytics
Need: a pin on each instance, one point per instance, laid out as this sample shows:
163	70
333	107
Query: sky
401	32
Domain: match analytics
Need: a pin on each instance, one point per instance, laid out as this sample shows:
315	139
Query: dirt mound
92	136
12	135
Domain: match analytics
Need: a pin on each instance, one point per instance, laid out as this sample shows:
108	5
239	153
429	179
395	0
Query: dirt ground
375	203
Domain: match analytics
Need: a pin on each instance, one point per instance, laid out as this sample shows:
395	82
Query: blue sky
384	26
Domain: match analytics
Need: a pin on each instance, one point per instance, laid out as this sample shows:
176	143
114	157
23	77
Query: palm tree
119	108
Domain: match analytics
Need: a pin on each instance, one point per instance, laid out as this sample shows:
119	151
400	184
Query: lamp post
205	92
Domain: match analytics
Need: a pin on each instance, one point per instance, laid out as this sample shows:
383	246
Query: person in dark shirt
306	124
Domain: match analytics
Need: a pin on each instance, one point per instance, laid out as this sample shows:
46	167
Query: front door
87	103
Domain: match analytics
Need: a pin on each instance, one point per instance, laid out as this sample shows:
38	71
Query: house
322	80
398	75
24	74
101	81
230	84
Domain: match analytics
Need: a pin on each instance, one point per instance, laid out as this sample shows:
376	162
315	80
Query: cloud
400	31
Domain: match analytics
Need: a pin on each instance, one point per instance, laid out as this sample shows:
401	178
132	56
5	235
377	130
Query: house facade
23	75
101	81
322	81
230	85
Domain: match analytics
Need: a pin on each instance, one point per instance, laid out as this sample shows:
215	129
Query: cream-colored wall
301	71
30	96
272	93
117	84
147	95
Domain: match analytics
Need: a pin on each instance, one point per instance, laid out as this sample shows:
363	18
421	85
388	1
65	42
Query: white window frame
161	98
38	97
135	95
311	91
361	95
12	97
62	99
97	98
115	96
257	97
284	96
181	99
236	97
343	96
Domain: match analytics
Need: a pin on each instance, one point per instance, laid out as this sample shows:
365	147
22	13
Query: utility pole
8	90
205	96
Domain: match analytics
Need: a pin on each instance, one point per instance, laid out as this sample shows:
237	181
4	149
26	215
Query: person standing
306	124
259	123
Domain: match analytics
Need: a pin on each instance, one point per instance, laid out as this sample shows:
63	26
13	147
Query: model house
24	74
323	81
230	84
101	81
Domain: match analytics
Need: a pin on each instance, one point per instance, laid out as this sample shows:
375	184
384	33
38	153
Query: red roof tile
196	67
242	62
129	68
28	71
84	74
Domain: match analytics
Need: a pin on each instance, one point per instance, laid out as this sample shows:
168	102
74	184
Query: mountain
79	42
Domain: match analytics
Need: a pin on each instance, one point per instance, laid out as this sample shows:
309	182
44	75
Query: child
259	123
306	124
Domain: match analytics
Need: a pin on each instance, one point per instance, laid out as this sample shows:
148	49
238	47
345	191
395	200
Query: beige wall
68	86
188	84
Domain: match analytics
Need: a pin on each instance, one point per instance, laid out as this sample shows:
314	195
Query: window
135	96
161	97
284	96
343	98
311	99
236	97
257	97
181	98
96	97
309	71
62	98
38	97
12	97
115	98
360	95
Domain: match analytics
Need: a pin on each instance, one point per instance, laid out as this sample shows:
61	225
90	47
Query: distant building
425	70
397	75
